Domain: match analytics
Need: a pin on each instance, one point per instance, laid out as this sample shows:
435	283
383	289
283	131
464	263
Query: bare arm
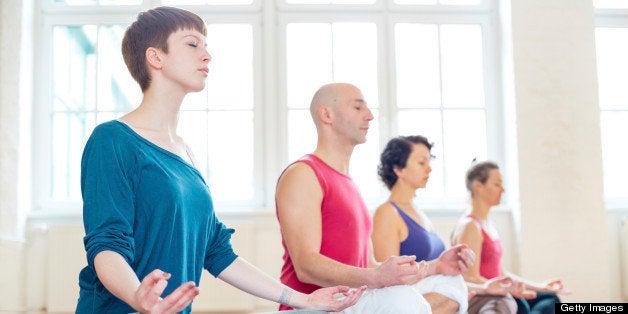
299	197
470	234
386	236
120	279
250	279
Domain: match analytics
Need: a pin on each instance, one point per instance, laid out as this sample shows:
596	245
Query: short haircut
396	155
152	29
479	172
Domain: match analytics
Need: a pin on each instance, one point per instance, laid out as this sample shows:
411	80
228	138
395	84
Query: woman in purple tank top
484	182
400	228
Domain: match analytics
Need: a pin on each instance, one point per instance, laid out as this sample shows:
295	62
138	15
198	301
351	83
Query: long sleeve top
150	206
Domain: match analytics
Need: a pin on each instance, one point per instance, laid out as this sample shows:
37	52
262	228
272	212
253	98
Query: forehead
419	150
186	33
351	94
494	174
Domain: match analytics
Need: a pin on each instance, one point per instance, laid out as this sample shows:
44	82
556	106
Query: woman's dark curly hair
396	154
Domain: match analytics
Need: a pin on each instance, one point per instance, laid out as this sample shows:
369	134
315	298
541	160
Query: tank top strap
474	219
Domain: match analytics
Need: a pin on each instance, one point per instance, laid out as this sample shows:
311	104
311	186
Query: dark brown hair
396	154
152	29
479	172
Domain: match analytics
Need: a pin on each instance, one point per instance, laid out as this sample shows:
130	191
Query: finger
505	281
565	291
340	289
351	299
404	259
180	298
529	294
152	286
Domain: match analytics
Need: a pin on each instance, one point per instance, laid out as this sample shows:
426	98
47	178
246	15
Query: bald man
326	226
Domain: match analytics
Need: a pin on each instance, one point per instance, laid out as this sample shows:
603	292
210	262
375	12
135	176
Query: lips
204	70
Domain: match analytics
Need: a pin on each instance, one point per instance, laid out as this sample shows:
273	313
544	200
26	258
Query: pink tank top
491	257
346	224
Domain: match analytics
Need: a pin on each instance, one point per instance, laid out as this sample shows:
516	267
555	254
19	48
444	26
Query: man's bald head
328	95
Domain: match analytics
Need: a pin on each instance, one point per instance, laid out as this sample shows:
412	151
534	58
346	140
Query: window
611	36
421	72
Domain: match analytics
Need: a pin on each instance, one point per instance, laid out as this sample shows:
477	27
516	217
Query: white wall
563	223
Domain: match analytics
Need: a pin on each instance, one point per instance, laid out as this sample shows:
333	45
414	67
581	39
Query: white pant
409	299
391	300
453	287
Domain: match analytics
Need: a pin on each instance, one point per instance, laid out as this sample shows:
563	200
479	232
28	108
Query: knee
441	304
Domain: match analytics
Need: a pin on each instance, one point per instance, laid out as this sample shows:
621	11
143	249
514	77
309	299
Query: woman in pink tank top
484	182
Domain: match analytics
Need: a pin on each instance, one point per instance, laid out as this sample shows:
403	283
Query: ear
476	185
153	58
397	171
325	114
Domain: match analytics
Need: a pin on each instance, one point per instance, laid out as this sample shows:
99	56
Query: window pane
301	134
460	2
98	2
461	51
464	139
418	75
193	128
210	2
610	4
331	1
309	61
363	165
615	153
612	65
445	2
70	133
321	53
117	90
230	158
74	67
230	80
355	57
429	124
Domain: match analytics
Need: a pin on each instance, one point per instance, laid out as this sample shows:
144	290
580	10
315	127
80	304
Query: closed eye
193	45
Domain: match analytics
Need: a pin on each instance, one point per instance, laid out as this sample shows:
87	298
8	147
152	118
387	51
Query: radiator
623	242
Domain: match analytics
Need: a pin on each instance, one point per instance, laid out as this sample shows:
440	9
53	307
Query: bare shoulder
298	191
466	229
297	176
385	212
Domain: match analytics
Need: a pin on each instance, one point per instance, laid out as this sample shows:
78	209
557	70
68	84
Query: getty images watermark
591	307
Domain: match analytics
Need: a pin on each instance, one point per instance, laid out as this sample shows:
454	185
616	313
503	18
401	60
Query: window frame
269	19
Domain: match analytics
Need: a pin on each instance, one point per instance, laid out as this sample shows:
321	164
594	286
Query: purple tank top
425	245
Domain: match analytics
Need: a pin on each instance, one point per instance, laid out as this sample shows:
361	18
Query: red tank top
491	257
346	224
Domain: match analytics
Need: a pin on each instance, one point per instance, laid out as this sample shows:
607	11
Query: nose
207	57
369	115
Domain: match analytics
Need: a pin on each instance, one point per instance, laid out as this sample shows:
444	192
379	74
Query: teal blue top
150	206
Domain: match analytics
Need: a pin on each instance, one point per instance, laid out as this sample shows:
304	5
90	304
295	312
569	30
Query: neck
336	156
158	112
480	209
401	193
